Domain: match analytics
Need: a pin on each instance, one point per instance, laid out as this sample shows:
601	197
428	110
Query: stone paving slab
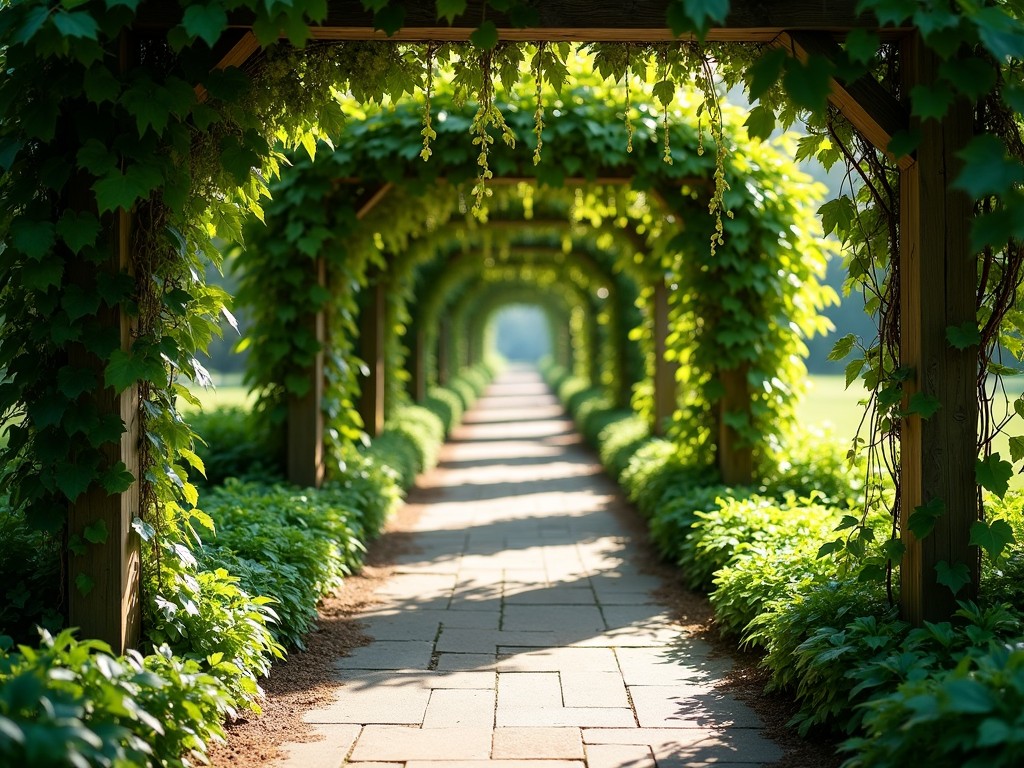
537	743
395	743
522	632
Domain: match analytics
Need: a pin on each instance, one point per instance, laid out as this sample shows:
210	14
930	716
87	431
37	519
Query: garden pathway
522	631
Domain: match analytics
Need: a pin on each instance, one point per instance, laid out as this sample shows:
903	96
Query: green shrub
791	620
1003	581
570	387
812	462
238	443
619	440
422	429
206	616
70	703
744	588
289	545
464	391
968	716
739	525
446	405
30	577
657	473
671	522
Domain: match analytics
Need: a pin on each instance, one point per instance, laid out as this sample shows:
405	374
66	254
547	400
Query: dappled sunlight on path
522	629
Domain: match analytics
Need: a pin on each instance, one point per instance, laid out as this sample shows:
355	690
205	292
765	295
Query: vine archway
107	221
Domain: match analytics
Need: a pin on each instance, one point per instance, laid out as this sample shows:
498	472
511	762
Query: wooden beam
373	197
235	54
937	273
735	460
665	391
372	322
584	20
871	109
305	462
444	351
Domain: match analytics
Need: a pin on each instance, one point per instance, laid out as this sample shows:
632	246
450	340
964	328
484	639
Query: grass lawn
231	392
829	404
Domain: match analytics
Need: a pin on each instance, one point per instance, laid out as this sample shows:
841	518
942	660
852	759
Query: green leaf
96	532
922	520
34	20
125	369
963	336
955	577
73	381
485	36
390	18
993	537
842	347
696	15
101	85
77	25
760	122
904	143
923	405
838	215
79	302
894	549
993	473
862	45
450	9
972	76
808	84
84	583
987	170
78	230
930	102
1000	33
117	190
1016	449
853	369
74	478
967	696
33	238
40	275
117	479
765	72
206	22
146	531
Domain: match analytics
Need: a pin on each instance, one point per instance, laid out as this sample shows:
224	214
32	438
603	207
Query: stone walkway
522	632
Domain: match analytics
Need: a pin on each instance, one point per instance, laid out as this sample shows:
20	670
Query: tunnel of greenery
387	198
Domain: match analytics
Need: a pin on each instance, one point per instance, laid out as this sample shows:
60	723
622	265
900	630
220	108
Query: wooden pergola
936	265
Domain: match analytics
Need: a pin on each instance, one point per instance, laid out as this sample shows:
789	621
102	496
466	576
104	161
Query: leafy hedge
224	600
947	695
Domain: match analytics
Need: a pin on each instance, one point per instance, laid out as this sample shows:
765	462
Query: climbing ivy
100	118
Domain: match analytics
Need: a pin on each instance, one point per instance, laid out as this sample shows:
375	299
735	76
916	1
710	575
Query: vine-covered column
937	292
372	327
306	465
664	370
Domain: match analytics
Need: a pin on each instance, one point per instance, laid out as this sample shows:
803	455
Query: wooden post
305	414
664	370
111	611
937	290
371	339
418	366
444	351
735	461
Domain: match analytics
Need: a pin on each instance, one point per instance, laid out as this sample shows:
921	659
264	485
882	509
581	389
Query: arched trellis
663	229
937	271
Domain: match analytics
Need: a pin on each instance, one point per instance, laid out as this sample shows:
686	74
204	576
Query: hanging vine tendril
706	83
629	125
428	131
538	115
663	76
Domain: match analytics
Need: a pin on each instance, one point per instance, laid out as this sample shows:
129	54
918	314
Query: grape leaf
994	474
956	577
993	537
